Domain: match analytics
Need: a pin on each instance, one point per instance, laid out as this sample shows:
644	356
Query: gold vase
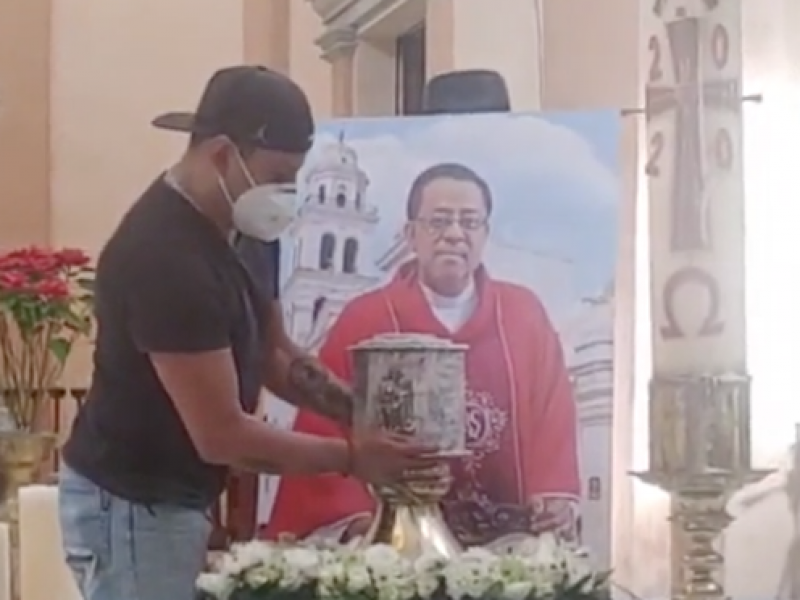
22	455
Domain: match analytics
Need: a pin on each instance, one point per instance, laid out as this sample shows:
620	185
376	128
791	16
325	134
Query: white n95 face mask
265	211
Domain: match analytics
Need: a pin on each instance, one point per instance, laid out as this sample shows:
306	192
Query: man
185	341
522	476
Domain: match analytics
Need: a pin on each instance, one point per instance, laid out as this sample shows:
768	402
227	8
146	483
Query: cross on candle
688	98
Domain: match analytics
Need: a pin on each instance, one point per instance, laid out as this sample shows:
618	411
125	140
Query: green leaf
494	592
86	284
60	349
77	322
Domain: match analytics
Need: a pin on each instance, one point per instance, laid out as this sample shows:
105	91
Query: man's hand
382	458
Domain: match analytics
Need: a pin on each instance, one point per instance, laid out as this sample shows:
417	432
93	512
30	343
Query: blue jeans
118	550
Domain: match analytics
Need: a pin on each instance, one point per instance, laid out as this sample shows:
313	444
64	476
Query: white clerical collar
453	311
445	302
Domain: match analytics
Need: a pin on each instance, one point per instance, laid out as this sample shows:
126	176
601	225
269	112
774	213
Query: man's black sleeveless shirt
167	282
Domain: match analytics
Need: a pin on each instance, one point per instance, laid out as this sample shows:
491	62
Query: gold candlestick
700	393
700	454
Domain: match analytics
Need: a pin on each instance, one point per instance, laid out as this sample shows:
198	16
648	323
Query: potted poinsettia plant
45	307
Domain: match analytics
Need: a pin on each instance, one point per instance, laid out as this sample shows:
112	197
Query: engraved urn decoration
414	385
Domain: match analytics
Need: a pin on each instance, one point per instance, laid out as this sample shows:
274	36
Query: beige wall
115	66
307	66
78	85
503	36
24	122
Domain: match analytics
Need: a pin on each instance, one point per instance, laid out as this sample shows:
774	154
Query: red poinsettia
45	304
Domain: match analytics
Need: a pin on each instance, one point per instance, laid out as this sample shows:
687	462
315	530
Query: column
590	54
475	35
266	27
338	48
374	79
306	66
439	42
25	50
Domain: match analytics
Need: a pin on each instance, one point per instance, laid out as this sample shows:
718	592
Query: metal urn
414	385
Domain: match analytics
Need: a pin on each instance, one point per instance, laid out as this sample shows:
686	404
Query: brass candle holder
700	453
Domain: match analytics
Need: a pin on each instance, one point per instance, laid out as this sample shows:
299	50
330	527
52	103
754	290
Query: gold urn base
412	530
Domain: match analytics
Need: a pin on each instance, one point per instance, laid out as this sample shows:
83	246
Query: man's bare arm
204	390
299	378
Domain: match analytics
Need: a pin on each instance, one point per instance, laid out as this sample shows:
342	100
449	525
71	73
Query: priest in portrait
522	473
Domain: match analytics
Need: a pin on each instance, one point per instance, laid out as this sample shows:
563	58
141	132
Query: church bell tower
329	241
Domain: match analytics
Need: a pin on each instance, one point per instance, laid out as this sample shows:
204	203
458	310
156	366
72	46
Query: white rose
427	586
518	590
332	579
510	568
330	556
471	574
429	563
525	546
332	574
545	580
392	575
381	556
262	575
300	566
546	550
428	569
358	578
216	585
577	567
229	565
246	556
478	554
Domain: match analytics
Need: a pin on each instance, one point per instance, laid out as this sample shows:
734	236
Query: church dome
338	154
336	159
334	181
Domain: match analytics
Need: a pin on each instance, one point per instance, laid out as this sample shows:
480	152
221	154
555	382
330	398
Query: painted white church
328	262
334	226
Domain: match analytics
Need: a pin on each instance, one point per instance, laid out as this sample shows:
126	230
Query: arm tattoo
318	390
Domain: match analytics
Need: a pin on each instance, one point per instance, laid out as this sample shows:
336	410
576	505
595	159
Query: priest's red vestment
522	475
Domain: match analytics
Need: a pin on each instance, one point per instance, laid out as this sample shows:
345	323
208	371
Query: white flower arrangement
538	568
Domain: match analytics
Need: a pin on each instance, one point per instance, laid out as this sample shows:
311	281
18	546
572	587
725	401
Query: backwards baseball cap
252	105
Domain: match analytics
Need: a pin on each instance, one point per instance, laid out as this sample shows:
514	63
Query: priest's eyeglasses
440	224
